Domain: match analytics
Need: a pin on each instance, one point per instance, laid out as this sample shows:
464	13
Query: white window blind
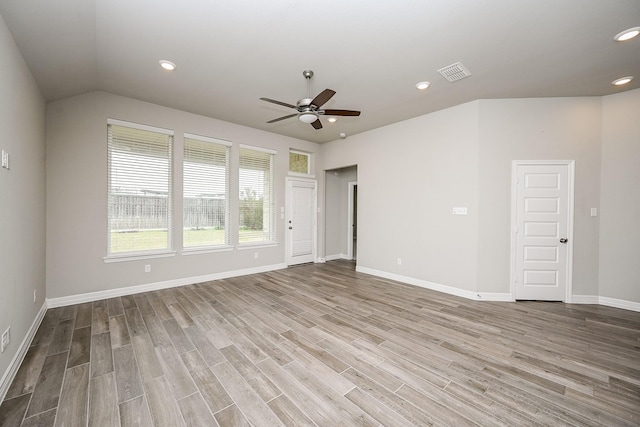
139	189
205	211
256	195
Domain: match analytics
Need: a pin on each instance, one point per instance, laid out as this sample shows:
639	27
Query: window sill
255	245
205	250
134	257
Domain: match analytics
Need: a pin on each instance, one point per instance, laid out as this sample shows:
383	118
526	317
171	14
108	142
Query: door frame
570	164
350	218
287	217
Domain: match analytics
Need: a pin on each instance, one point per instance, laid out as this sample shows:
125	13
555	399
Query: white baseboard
585	299
609	302
335	257
130	290
489	296
435	286
12	369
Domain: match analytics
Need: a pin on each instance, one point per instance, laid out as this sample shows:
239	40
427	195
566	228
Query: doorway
542	224
340	213
352	221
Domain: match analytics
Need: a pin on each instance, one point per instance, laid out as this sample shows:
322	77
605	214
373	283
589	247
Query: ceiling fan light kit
307	117
309	109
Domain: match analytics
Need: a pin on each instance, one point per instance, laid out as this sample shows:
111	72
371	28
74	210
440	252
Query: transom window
299	162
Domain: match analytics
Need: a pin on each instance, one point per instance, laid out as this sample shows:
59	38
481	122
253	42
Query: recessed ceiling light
622	81
423	85
332	120
627	34
167	65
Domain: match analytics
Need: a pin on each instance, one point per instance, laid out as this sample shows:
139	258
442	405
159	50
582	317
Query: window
256	195
139	189
205	210
299	162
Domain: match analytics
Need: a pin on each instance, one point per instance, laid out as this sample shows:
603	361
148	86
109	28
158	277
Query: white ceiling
371	52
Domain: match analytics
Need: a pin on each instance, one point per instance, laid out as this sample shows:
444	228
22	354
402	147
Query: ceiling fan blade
317	124
341	113
323	97
284	104
282	118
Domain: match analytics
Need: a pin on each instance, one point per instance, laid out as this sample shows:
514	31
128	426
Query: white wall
22	197
77	185
620	200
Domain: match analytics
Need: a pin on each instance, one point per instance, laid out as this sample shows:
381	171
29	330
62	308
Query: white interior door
542	223
300	226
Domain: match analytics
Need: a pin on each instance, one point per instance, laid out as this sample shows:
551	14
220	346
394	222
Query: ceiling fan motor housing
304	103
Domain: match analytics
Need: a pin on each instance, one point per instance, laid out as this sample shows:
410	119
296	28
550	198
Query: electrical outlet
399	261
256	255
6	339
147	268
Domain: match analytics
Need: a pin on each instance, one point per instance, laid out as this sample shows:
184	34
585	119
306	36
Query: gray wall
332	212
22	196
411	174
77	185
620	200
537	129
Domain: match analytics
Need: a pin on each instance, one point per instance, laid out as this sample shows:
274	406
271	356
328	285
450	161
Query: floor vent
454	72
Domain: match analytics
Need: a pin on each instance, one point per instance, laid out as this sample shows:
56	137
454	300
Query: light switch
5	159
594	211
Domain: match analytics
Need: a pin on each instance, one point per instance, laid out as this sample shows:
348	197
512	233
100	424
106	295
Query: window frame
142	253
271	233
226	245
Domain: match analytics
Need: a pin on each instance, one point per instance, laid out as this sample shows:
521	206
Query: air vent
454	72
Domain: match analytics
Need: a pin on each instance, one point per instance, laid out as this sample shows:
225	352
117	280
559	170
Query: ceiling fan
308	110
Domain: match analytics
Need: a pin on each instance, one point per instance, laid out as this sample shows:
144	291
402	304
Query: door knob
564	240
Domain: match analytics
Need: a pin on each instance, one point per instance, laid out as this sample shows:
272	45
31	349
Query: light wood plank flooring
322	345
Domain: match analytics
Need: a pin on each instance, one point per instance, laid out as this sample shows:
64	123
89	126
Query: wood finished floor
323	345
